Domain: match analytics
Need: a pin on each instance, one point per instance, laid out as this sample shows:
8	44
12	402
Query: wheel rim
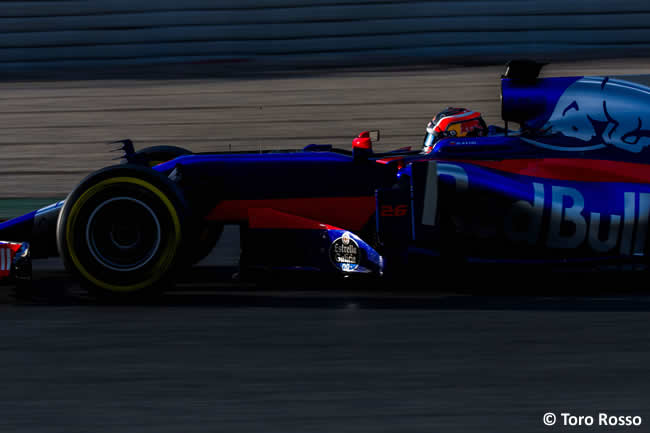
123	234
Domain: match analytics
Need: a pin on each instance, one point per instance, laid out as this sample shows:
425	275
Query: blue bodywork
571	186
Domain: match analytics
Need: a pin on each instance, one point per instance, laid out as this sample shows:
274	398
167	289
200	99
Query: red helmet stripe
445	122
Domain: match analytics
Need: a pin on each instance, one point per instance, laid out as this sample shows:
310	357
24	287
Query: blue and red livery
571	186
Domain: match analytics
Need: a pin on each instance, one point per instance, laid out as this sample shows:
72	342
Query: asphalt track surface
220	355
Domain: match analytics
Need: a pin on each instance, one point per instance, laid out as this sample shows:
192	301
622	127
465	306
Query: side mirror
374	135
362	146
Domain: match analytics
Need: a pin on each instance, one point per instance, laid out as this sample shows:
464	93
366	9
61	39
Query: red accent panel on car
351	213
263	218
388	159
581	170
401	164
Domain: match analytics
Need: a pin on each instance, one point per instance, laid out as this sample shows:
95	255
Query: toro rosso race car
571	186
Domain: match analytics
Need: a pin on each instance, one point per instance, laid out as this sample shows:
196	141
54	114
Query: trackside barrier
57	34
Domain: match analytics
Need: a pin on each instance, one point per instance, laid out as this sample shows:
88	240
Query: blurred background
260	74
55	34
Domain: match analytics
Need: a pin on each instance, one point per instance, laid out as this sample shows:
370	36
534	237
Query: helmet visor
429	140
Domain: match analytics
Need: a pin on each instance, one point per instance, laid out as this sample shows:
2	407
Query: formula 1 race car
570	187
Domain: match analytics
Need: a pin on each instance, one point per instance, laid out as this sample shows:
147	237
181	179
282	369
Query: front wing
15	262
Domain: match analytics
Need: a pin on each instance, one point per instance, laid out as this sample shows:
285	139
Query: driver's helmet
453	122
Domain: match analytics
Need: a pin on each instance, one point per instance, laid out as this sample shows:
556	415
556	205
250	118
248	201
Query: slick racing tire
152	156
205	239
204	242
121	231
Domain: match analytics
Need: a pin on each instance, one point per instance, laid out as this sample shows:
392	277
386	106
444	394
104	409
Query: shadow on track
469	290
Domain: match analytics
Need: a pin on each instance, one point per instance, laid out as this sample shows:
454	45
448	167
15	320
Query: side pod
407	213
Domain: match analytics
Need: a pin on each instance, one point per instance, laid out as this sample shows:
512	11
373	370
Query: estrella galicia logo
345	254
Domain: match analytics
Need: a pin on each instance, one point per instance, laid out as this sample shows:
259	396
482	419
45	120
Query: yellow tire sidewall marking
163	262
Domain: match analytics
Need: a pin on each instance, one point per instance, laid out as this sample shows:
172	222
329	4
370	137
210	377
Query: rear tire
121	231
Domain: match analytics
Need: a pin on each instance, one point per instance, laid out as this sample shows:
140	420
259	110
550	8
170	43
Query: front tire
121	231
204	242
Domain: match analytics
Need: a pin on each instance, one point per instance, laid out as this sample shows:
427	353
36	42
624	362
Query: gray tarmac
221	355
246	368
